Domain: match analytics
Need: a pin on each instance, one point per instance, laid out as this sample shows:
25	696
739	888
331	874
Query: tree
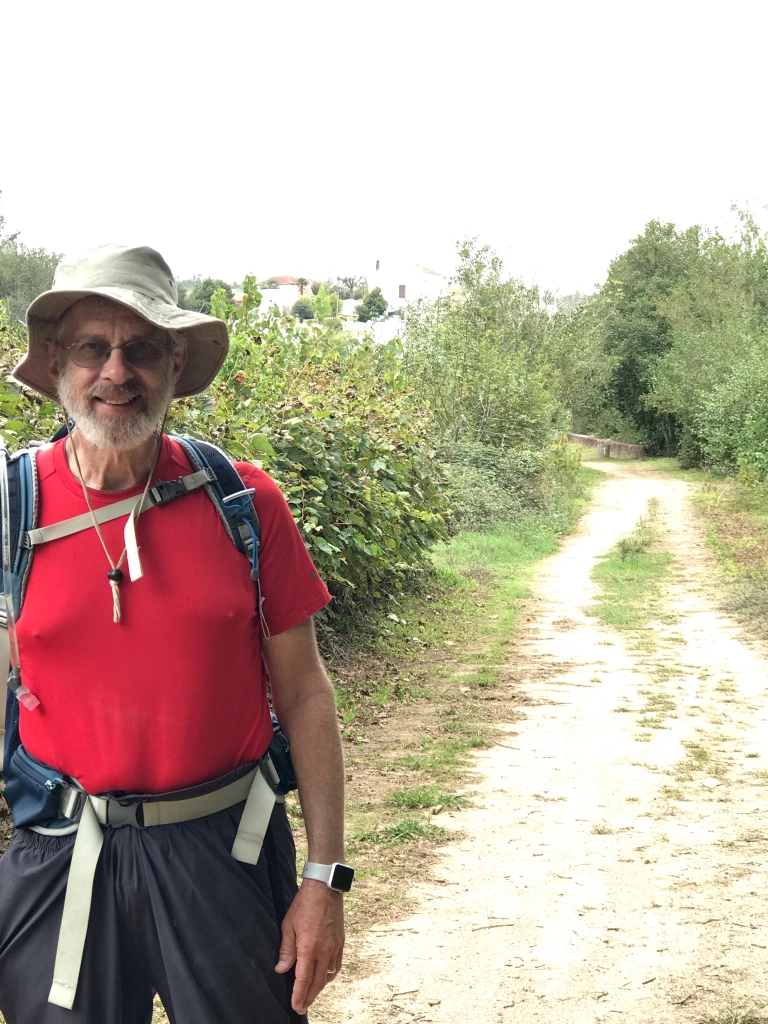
302	309
302	282
639	325
373	306
9	238
321	304
351	283
478	357
24	274
199	298
270	283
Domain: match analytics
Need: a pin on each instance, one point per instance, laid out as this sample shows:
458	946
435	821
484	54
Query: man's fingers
287	956
302	985
316	983
336	962
312	975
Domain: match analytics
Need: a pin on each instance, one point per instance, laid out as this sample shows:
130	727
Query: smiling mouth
116	401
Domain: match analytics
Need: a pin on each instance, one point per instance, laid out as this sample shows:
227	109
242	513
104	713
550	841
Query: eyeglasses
94	352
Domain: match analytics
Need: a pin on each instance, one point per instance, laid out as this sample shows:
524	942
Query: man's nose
116	369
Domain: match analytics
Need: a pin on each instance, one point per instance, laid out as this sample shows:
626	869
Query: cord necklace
115	574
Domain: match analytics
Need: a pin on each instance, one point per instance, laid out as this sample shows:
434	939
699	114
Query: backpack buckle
72	802
120	814
166	490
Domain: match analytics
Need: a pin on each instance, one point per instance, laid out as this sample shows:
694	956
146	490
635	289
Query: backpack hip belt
256	788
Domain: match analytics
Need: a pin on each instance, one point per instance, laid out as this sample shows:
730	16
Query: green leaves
351	447
260	443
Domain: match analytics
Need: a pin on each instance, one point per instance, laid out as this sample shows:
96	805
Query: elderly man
144	641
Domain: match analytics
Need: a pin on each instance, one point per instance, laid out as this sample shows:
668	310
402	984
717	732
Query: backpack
232	499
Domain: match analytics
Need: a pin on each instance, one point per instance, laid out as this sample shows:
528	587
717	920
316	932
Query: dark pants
172	913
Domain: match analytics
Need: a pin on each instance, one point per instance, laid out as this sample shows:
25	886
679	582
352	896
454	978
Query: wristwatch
336	876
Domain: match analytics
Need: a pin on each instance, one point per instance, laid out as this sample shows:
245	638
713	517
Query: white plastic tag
135	569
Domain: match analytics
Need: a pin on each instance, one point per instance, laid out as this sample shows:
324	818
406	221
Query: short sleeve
290	583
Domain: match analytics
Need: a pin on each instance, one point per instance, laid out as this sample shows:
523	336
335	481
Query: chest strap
97	811
163	492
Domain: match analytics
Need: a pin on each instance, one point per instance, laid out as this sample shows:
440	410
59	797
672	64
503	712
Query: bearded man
152	695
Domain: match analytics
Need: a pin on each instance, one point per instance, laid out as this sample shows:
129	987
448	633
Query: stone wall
616	448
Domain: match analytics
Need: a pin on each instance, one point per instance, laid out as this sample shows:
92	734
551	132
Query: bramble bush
333	422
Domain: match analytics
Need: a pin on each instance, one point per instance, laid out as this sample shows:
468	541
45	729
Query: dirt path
581	886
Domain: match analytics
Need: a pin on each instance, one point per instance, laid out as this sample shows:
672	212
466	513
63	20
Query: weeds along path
612	865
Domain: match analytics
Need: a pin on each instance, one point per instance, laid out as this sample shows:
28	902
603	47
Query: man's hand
313	939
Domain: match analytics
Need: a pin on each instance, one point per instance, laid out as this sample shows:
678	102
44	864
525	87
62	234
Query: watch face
342	877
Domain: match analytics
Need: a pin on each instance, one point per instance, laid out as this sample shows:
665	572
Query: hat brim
207	337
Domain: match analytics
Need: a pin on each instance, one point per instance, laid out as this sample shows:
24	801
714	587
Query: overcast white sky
316	137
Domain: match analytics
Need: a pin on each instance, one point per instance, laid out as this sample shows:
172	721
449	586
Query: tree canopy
199	297
372	306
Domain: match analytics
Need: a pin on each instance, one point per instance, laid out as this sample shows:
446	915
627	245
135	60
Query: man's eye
88	348
143	347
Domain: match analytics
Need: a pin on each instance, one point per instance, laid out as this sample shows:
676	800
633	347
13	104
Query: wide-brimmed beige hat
140	279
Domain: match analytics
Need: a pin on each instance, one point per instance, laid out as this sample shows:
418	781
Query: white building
402	282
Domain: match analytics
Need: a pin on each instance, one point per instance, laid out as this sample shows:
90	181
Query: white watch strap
318	872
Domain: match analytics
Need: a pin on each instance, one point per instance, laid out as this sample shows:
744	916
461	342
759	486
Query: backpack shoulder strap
23	508
232	499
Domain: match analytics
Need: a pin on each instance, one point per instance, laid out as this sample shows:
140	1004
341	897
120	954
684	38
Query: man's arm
313	929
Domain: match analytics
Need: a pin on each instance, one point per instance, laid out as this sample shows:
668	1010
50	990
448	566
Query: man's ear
179	357
53	362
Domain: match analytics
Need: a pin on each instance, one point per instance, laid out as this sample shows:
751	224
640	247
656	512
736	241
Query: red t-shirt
175	694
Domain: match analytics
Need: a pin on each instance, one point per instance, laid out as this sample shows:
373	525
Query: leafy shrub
302	309
478	500
690	451
372	307
24	415
333	422
489	487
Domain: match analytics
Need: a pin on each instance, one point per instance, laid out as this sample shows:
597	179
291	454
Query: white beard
125	433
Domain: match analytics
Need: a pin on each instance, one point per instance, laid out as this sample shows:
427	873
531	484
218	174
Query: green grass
743	1014
441	757
403	832
502	562
630	576
426	796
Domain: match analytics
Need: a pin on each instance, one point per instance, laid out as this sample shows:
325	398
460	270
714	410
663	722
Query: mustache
130	390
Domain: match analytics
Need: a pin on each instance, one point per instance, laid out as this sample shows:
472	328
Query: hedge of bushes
333	422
